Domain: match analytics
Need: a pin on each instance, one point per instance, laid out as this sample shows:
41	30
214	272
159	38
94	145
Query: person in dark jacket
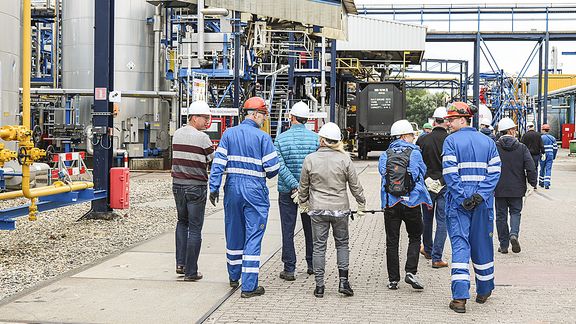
431	146
517	167
486	128
533	140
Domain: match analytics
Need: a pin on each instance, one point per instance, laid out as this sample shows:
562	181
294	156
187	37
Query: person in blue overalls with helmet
471	169
248	157
550	151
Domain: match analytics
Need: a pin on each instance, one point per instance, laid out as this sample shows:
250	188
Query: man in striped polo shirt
247	155
192	150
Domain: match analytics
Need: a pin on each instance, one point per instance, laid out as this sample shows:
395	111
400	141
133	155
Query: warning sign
100	93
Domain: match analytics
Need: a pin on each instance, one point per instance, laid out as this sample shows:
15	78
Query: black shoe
481	299
259	291
288	276
458	305
345	288
546	187
319	291
393	285
310	271
503	250
412	280
195	277
234	283
515	244
180	269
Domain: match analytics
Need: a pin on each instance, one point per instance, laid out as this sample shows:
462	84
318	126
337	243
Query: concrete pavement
536	285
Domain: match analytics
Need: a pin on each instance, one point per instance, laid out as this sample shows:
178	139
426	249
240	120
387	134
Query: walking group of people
452	178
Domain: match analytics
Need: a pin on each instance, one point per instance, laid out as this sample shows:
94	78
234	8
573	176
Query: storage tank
10	40
133	63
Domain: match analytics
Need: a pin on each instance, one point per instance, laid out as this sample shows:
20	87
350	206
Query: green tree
421	104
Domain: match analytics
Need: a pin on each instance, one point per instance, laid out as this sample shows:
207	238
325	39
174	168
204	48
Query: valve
27	155
6	155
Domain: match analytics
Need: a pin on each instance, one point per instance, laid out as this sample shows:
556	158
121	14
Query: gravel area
57	242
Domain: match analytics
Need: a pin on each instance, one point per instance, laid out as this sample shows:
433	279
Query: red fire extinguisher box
119	188
567	134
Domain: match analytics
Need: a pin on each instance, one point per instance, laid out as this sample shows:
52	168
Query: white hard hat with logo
505	124
530	124
199	107
440	113
300	109
401	127
330	131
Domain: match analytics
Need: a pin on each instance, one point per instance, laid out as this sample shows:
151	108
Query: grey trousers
320	230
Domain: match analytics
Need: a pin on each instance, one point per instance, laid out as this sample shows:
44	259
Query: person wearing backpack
550	151
403	191
471	169
517	167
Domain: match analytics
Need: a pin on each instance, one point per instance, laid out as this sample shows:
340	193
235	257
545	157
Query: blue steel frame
7	216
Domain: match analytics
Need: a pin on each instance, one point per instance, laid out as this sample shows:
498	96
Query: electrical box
567	134
119	188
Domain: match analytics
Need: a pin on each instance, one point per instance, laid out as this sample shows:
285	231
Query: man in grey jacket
323	193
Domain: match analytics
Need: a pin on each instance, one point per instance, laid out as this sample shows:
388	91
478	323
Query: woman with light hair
326	175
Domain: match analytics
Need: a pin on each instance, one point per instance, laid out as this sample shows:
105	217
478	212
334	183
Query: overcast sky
510	56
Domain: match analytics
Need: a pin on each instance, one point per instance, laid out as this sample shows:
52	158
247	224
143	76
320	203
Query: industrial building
92	91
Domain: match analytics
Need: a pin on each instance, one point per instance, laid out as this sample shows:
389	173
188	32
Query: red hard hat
256	103
545	127
459	109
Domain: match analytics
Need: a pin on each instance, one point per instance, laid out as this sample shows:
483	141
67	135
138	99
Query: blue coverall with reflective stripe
247	156
550	151
471	164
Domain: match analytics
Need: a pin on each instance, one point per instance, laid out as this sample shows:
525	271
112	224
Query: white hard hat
300	109
530	124
485	121
330	131
199	107
401	127
440	113
505	124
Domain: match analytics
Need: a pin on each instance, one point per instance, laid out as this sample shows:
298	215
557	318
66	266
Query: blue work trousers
190	206
471	238
246	205
503	205
288	218
435	248
546	171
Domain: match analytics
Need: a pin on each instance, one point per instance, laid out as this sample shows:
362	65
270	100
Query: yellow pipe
56	188
26	68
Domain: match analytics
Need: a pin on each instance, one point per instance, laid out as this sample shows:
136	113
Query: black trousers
393	218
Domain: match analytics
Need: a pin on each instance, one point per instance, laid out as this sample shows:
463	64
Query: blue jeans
502	206
288	217
190	206
435	248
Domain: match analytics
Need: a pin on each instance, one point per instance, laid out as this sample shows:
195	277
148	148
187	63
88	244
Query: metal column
237	62
102	120
333	55
476	86
291	61
539	105
545	101
572	119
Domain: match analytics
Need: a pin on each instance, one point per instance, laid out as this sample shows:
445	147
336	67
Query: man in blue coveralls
471	169
550	151
248	157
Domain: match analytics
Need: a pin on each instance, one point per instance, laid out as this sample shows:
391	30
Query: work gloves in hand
471	202
433	186
361	210
214	197
294	196
304	208
529	191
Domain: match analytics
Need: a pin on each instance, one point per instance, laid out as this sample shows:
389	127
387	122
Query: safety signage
100	93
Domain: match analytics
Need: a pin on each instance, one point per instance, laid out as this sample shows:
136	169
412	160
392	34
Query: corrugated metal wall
555	82
304	11
370	34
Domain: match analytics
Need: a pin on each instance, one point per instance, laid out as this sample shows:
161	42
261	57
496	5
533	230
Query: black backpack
399	181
